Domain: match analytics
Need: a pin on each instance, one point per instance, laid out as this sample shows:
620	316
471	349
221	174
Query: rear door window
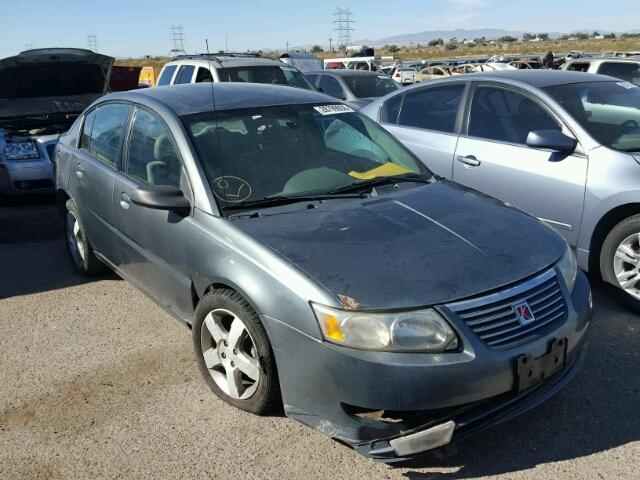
184	74
578	67
432	108
507	116
166	75
108	129
204	75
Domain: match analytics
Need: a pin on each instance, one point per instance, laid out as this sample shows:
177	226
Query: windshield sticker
332	109
627	85
231	189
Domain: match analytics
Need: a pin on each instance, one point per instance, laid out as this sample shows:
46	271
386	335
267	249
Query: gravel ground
98	382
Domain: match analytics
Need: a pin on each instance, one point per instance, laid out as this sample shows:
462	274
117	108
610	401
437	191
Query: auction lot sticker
332	109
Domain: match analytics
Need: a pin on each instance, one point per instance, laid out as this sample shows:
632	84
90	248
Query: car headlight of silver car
20	151
568	267
416	331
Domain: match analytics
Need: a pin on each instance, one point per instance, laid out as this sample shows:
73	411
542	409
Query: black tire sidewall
617	234
267	392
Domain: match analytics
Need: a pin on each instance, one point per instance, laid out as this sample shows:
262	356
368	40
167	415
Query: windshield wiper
275	200
378	181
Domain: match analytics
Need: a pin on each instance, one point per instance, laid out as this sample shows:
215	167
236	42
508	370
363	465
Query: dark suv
321	266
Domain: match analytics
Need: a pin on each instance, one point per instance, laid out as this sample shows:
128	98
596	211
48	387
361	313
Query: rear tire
234	354
79	248
620	261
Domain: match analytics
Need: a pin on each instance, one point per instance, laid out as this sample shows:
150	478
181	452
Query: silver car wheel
230	354
75	239
626	265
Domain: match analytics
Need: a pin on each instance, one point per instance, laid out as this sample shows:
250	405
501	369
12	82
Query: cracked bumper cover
474	388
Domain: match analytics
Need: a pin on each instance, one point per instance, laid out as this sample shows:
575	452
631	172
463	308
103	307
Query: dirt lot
96	381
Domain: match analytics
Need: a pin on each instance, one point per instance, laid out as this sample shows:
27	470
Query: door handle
79	171
125	200
469	160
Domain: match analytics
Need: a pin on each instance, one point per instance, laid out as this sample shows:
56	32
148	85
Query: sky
132	28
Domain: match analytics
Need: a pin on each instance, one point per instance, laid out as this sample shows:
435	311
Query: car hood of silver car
415	247
52	80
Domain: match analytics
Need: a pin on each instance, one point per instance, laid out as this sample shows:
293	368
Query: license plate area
534	370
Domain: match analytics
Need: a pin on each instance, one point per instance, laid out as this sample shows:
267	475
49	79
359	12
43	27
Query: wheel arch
602	229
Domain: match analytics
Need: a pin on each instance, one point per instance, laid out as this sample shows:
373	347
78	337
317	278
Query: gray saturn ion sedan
320	266
563	146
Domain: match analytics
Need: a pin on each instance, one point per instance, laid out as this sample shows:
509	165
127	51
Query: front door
493	158
94	172
154	244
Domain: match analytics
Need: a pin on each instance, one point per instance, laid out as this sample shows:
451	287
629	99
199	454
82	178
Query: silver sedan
563	146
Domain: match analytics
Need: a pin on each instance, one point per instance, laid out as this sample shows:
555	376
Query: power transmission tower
343	21
92	42
177	41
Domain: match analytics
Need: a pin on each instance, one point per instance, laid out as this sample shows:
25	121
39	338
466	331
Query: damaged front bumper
394	406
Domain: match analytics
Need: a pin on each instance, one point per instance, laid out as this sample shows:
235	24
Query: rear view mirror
161	197
551	140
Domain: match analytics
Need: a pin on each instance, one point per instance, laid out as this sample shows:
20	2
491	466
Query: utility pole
287	47
343	21
92	42
177	41
226	42
330	45
28	46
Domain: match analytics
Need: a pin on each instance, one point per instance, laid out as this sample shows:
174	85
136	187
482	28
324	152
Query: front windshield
271	74
609	111
293	150
367	86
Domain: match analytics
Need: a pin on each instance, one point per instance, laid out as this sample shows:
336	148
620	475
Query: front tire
82	257
620	261
234	354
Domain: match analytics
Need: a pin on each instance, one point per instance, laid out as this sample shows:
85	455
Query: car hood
416	247
52	80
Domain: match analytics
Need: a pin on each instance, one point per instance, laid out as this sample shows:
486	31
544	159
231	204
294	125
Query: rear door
94	173
427	121
153	243
492	157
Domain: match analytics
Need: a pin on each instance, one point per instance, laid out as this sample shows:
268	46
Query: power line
343	21
177	41
92	42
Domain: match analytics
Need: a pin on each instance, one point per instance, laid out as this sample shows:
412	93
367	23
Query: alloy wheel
75	238
626	265
230	354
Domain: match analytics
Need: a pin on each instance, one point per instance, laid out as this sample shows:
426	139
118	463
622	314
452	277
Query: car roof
344	73
535	78
225	61
197	97
632	59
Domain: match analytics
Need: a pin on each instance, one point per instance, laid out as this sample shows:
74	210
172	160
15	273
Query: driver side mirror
551	140
161	197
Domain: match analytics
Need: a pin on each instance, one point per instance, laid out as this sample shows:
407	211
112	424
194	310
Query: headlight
21	151
419	331
568	267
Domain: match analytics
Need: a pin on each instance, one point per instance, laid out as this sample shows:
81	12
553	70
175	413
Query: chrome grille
493	319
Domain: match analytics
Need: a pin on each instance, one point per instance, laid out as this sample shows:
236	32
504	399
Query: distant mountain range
425	37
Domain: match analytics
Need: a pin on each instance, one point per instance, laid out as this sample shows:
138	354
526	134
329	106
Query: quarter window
86	129
392	109
166	75
184	74
153	158
507	116
105	140
331	86
432	108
